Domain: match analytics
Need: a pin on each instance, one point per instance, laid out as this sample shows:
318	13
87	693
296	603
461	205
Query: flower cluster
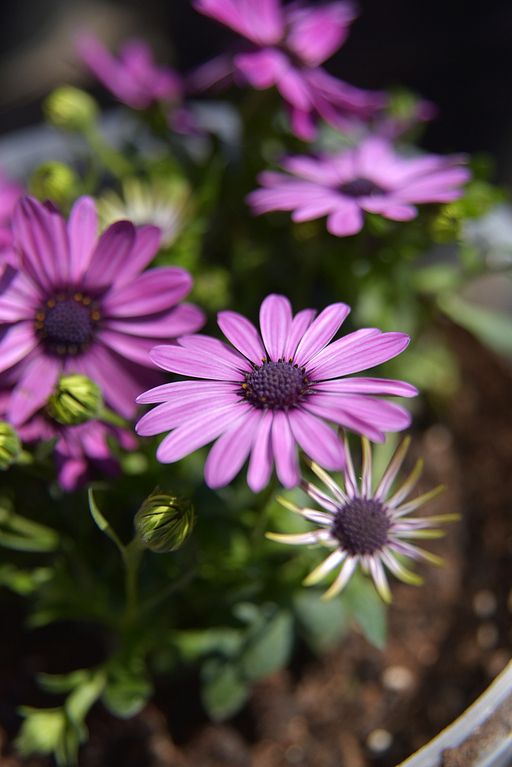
289	44
79	303
273	391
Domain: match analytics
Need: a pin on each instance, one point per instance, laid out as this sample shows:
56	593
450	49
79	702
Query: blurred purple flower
79	303
133	78
273	392
78	448
289	44
370	177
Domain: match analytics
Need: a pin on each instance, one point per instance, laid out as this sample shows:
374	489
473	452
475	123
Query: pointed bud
10	445
163	523
76	400
70	108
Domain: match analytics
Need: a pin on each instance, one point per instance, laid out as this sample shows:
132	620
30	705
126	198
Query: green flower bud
163	523
446	226
53	181
76	400
70	108
10	445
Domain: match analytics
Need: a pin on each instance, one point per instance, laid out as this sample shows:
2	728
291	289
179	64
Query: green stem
132	555
110	157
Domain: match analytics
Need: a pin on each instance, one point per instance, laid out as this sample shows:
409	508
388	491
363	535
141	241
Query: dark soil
355	707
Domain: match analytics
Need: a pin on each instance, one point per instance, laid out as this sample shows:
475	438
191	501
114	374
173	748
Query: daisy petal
319	441
342	579
183	390
275	324
33	389
153	291
284	449
320	332
196	433
243	335
329	564
230	451
82	233
260	463
359	353
300	324
16	342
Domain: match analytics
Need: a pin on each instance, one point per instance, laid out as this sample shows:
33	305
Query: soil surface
356	706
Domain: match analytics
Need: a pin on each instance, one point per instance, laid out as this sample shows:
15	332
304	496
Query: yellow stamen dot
78	296
95	316
61	296
86	301
40	316
50	302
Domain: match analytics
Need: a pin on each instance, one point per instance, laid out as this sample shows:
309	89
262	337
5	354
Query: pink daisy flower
79	304
370	177
290	43
133	78
272	392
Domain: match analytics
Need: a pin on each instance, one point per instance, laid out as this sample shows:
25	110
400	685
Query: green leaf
127	690
81	699
367	609
59	683
269	650
197	643
24	581
326	623
224	691
491	328
23	534
41	731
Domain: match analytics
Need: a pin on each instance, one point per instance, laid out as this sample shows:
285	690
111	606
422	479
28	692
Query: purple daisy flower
79	304
272	392
370	177
367	528
289	44
133	78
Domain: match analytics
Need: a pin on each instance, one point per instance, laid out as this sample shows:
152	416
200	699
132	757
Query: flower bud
53	181
163	523
70	108
76	400
10	445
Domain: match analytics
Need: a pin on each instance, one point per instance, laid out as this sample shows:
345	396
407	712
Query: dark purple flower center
361	526
67	324
275	385
361	187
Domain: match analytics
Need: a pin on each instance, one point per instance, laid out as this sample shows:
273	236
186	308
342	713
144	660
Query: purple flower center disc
361	187
67	323
275	385
361	526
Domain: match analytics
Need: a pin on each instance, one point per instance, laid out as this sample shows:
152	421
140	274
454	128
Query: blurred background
455	53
